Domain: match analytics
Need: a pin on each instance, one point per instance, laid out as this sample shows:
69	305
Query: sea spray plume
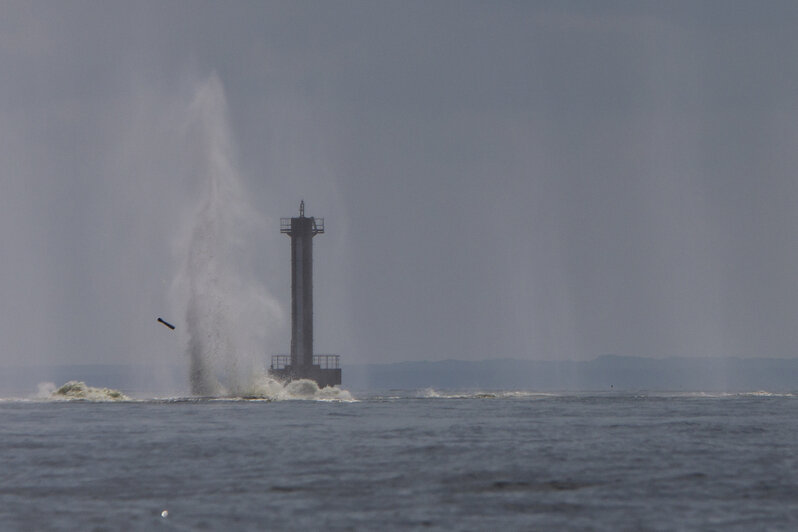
228	312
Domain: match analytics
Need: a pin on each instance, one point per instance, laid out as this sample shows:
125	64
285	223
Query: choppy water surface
409	460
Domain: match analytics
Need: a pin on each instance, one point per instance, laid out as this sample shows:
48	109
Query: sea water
403	460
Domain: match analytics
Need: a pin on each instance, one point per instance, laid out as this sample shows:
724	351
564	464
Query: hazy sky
541	180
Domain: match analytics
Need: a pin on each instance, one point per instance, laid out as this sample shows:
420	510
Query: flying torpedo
167	324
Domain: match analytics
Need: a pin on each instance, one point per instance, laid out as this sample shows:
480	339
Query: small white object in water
164	514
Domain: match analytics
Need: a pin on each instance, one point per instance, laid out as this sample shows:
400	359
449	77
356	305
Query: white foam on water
763	393
526	394
720	395
431	393
79	391
261	388
302	389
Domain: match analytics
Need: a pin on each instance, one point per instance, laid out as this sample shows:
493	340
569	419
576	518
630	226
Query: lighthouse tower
302	363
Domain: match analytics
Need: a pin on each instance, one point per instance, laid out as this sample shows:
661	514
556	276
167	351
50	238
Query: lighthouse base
325	371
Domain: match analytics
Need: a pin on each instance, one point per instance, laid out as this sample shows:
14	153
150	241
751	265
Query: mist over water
228	312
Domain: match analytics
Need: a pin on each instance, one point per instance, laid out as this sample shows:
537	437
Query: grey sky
542	180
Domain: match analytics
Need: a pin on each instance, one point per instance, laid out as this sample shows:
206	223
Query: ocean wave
431	393
261	389
763	393
302	390
79	391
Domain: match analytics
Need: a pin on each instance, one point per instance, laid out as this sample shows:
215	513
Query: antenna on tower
302	209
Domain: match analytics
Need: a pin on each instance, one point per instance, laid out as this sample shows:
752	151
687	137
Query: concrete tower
301	363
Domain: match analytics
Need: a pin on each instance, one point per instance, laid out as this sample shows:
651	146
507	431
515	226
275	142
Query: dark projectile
167	324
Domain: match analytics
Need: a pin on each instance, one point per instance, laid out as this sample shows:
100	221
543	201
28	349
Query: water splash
78	390
302	389
45	389
264	388
227	311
